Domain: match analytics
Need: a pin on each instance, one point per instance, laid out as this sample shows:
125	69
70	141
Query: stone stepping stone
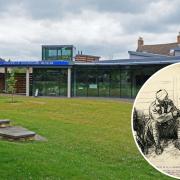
4	123
17	133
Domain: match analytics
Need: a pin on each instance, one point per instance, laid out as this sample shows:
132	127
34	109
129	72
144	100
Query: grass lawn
87	139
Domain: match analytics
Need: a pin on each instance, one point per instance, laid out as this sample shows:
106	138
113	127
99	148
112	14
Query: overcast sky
108	28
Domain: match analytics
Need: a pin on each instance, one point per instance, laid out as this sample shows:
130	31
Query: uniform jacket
162	112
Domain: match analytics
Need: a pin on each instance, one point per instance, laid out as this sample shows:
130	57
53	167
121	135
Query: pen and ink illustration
156	120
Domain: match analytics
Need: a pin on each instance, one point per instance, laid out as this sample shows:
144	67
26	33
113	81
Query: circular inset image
156	120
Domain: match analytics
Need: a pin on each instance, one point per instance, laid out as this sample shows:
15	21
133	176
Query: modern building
59	74
58	52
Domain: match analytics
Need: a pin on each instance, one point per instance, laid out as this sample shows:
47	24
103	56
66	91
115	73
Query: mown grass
87	139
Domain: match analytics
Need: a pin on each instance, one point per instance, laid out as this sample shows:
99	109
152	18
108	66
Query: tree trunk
12	97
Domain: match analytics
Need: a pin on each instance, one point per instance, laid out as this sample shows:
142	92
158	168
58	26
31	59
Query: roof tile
163	49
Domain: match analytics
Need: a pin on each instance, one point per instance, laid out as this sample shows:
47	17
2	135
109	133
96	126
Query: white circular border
155	74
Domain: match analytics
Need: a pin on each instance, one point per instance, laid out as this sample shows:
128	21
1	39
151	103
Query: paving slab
3	121
16	132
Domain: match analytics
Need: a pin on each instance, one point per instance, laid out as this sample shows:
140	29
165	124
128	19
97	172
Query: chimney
140	42
178	38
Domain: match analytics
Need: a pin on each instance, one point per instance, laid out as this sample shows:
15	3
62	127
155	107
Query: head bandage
161	94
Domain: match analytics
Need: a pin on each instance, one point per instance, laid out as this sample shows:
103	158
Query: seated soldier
164	120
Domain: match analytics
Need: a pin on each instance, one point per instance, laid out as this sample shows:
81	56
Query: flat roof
146	54
59	63
141	61
57	46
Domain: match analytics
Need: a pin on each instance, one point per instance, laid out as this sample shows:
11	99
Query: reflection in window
52	52
66	52
125	83
104	82
50	82
81	83
92	82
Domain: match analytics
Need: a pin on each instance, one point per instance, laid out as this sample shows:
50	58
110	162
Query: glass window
140	75
115	83
81	83
92	82
66	53
59	53
63	82
52	53
104	82
137	81
51	88
115	75
126	83
50	82
115	89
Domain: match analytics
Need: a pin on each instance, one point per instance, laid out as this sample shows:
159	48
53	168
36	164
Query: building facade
121	78
61	74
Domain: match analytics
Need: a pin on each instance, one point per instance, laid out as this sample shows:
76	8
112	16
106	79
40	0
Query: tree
11	83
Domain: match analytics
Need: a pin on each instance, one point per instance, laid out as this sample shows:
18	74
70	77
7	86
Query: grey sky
108	28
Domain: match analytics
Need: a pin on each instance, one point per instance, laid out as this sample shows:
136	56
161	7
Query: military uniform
163	123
